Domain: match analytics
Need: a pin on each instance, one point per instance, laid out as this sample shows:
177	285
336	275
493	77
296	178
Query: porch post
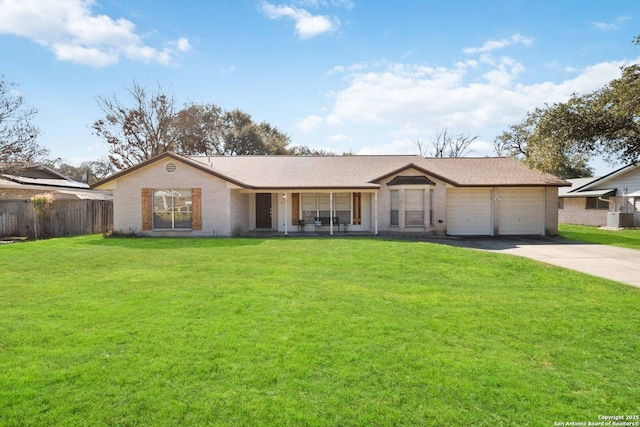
375	212
331	213
286	231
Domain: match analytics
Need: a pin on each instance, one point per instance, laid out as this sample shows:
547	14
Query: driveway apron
609	262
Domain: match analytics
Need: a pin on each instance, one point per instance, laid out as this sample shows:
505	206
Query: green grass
583	233
299	332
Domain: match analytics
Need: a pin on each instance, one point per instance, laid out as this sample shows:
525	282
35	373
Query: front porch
298	234
315	212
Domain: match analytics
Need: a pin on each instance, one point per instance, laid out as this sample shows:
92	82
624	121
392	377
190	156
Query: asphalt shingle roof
361	172
366	171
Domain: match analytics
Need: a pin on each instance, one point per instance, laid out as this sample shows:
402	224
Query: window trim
148	215
599	204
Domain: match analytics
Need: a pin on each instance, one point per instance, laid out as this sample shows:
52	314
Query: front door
263	210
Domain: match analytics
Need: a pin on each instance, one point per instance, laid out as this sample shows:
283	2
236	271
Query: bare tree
153	125
446	144
422	148
18	135
137	133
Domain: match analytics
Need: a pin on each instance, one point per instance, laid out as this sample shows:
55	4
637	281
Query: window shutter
147	217
196	206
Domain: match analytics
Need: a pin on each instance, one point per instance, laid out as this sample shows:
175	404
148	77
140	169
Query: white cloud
74	33
227	70
492	45
83	55
309	123
307	25
338	69
504	73
403	146
182	44
347	4
406	101
610	26
338	138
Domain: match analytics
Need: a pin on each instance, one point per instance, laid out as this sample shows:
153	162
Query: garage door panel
469	212
520	211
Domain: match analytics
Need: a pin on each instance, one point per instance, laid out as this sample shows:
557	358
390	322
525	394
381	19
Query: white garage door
520	211
469	212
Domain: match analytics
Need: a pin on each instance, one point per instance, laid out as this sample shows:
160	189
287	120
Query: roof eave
604	178
416	167
195	164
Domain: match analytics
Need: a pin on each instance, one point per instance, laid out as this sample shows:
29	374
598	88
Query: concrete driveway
609	262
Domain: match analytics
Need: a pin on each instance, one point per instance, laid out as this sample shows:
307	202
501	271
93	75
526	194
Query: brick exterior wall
575	212
216	212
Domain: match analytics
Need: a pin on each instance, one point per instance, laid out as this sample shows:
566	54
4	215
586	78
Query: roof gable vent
170	167
410	180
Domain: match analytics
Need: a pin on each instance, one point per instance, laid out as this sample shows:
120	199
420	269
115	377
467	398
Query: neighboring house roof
32	170
28	179
79	195
36	174
598	182
362	172
48	182
591	193
580	182
606	185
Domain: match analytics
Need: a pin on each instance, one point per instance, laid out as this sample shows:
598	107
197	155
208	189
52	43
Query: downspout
602	199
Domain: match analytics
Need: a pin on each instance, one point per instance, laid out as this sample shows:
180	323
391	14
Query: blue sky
344	75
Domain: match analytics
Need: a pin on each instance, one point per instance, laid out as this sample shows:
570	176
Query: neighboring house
591	200
26	181
172	195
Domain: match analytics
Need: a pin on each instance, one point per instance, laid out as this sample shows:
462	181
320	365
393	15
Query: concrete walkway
609	262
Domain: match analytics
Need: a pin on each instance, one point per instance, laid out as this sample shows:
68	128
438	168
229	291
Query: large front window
414	208
316	205
172	208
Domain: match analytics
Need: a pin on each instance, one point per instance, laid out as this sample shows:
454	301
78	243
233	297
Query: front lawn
583	233
298	332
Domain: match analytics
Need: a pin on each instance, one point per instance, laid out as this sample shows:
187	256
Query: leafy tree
18	135
560	138
241	135
543	145
274	141
446	144
304	150
199	129
606	121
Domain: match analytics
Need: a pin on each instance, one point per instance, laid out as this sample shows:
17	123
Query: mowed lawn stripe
134	331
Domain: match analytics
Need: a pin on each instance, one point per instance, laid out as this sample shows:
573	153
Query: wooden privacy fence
62	218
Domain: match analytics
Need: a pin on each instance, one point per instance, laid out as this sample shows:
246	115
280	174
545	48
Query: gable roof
603	179
357	172
596	186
